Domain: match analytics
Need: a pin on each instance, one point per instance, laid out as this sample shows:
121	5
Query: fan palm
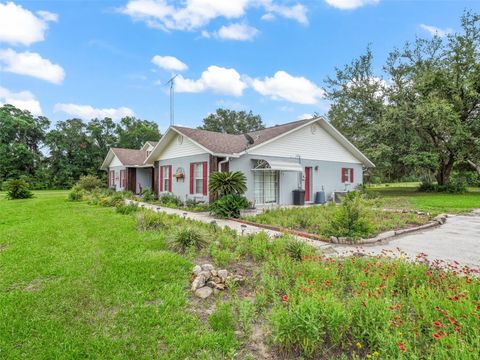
226	183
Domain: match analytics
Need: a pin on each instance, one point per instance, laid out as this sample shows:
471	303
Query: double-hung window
347	175
166	178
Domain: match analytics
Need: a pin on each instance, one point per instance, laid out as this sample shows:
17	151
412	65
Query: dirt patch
3	247
35	285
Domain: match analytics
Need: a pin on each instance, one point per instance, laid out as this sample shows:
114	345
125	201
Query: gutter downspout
227	159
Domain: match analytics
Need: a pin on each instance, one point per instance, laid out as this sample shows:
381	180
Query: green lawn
79	281
405	196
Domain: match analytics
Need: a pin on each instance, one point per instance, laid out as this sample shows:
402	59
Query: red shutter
192	170
170	178
343	175
351	175
161	178
205	170
109	178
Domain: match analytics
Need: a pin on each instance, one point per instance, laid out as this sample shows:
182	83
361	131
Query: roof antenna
172	98
250	140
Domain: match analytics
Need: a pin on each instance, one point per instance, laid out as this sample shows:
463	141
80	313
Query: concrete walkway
457	240
238	227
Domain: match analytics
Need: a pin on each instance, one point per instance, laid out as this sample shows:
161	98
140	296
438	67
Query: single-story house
127	169
306	154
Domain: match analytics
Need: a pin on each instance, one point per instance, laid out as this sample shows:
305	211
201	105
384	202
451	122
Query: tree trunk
445	168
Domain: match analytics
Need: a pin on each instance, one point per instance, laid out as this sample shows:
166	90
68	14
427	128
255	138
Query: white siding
176	149
317	145
115	162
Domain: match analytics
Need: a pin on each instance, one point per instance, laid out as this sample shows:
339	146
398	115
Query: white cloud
24	100
238	31
220	80
296	12
21	26
305	116
433	30
88	112
31	64
194	14
350	4
169	63
268	17
287	87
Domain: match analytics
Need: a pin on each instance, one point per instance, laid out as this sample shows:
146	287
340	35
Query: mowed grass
79	281
408	197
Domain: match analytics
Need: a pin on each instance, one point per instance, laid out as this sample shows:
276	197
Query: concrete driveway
457	240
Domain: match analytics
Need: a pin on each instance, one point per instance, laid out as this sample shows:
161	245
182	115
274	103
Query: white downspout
227	159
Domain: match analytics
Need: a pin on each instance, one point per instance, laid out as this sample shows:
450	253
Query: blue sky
94	58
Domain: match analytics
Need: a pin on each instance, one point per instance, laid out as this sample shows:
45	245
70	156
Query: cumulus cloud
21	26
350	4
31	64
24	100
433	30
305	116
220	80
88	112
194	14
238	31
284	86
169	63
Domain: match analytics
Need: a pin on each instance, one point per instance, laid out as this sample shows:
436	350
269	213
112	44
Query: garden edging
387	235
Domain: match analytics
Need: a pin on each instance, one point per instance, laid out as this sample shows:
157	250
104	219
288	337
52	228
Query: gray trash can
299	197
320	197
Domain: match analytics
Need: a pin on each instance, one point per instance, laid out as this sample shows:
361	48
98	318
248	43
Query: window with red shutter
170	178
343	175
192	176
161	178
205	175
351	175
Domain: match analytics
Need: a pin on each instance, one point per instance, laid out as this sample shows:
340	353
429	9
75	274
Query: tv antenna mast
172	98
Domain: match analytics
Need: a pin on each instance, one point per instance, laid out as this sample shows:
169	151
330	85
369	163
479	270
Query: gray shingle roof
130	157
221	143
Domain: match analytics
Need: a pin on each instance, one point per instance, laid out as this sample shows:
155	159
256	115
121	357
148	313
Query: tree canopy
232	122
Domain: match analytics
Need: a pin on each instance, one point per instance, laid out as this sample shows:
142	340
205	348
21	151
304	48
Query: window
347	175
112	178
198	176
266	187
165	174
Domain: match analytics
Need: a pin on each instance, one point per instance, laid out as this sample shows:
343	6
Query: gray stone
211	284
385	235
203	292
207	267
196	269
222	274
334	239
214	273
220	286
198	282
206	274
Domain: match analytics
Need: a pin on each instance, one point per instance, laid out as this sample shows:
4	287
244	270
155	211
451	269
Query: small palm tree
227	183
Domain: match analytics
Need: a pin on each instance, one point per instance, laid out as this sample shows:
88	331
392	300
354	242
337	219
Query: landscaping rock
222	274
385	235
441	219
198	282
214	272
203	292
207	267
196	270
206	274
334	239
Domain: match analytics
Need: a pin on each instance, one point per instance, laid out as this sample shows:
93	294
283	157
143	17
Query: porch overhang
280	165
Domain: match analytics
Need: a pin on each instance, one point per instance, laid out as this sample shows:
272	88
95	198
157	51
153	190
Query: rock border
387	235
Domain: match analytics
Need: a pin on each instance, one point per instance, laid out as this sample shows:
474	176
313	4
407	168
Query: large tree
133	133
21	139
232	122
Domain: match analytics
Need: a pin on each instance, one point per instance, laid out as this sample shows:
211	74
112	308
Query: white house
127	169
306	154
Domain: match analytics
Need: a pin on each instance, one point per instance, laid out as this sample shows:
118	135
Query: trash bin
320	197
299	197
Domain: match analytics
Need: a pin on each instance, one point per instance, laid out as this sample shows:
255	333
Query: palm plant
228	183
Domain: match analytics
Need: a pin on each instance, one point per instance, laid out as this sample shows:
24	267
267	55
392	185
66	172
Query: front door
308	184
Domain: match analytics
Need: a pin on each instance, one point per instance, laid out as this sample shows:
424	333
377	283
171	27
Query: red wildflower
437	324
437	336
402	347
285	298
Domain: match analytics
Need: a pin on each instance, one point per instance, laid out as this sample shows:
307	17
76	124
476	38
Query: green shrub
296	249
76	194
227	183
246	313
229	206
149	220
169	200
350	219
147	195
454	186
194	205
124	209
89	183
188	238
17	189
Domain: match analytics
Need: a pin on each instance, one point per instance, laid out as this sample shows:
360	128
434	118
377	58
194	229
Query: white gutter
227	159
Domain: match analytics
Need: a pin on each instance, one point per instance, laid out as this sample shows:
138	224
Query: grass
79	281
395	196
83	281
